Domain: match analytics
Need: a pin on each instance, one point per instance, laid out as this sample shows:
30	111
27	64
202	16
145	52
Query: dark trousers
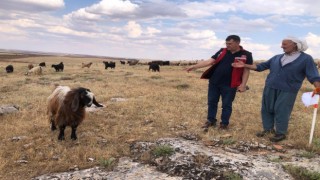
276	109
227	94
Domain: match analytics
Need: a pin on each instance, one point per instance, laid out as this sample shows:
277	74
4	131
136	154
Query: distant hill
14	54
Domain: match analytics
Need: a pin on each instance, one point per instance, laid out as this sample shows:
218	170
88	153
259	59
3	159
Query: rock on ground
6	109
193	160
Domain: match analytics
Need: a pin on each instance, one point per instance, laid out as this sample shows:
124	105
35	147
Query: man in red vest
224	80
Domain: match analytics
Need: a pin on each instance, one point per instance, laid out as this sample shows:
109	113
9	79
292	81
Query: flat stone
7	109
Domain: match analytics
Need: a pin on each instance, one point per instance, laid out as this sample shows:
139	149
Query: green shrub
163	150
107	163
316	143
232	176
302	173
307	154
228	141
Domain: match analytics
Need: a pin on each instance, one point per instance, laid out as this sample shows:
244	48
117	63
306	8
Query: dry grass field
165	104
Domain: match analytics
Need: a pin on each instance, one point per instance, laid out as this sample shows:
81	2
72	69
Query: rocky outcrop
192	159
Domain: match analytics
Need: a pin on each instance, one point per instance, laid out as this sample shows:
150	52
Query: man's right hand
238	64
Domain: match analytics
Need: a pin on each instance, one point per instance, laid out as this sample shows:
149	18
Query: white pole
313	121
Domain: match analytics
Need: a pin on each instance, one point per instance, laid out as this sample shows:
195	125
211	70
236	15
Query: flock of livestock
153	66
66	106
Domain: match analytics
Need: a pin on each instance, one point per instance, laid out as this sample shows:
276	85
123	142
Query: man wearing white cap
287	72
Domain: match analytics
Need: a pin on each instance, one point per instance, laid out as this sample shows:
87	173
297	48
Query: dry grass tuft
156	105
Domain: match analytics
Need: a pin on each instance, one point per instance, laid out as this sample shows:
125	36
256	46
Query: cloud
31	5
82	14
181	29
239	24
259	51
313	41
198	35
151	31
10	30
206	9
116	8
275	7
62	30
160	9
25	23
133	29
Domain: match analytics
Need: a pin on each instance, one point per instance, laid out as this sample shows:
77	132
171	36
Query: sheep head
83	98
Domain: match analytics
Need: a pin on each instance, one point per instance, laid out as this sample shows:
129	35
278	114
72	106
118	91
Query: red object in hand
316	91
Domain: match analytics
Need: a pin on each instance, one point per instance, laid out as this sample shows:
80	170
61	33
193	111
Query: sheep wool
66	107
35	70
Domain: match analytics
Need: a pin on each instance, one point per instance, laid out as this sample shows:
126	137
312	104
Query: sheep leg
61	133
73	133
53	126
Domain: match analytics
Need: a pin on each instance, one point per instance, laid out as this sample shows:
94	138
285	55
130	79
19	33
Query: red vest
236	77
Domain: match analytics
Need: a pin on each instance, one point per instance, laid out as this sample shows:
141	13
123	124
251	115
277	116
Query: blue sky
157	29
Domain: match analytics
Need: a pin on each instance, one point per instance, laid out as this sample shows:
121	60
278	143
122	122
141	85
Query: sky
157	29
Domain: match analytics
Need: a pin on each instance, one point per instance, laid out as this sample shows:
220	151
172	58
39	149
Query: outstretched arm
201	64
241	64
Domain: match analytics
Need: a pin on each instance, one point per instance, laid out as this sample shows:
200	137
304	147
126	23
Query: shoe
278	137
208	124
265	132
223	127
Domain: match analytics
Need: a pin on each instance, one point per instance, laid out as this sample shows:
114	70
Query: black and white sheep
66	107
9	69
58	67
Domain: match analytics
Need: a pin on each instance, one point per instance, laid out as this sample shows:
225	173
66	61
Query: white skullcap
301	44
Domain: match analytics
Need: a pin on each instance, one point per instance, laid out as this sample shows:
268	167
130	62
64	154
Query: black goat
9	69
154	67
107	64
58	67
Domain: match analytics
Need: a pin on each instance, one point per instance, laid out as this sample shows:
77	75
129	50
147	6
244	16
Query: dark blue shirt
223	70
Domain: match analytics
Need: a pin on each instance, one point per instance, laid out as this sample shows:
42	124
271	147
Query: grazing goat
66	107
30	66
86	65
133	62
122	62
9	69
35	70
58	67
42	64
110	64
154	67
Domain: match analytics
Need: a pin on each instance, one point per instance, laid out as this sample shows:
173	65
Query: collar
292	53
